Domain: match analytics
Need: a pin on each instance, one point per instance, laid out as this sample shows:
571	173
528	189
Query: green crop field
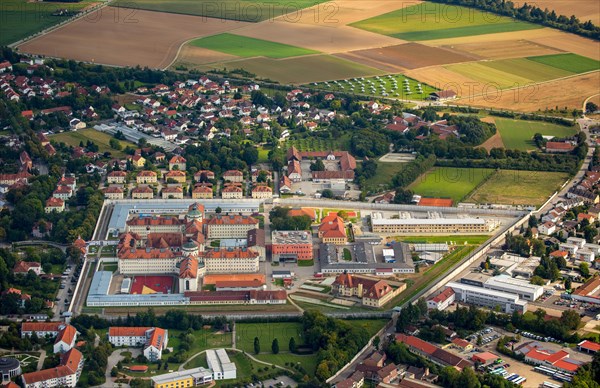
528	69
22	18
242	10
428	21
295	70
391	85
83	135
518	134
242	46
569	62
518	187
449	182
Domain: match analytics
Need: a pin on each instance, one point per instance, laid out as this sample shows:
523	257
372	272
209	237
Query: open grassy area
23	18
449	182
101	139
266	332
433	273
428	21
529	69
385	172
245	47
391	85
242	10
296	70
569	62
518	134
518	187
457	240
308	361
317	144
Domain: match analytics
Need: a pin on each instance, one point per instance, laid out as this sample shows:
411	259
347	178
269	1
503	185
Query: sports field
243	10
518	134
22	18
449	182
83	135
518	187
569	62
427	21
246	47
391	85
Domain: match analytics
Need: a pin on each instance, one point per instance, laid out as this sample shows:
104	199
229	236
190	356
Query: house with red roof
177	162
373	293
153	339
559	147
65	340
23	267
333	230
588	346
442	300
66	374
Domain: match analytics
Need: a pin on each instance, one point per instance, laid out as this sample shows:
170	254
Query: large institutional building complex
434	224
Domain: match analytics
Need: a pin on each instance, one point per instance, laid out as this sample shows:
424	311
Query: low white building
568	247
154	339
580	242
488	298
522	288
218	361
586	255
442	300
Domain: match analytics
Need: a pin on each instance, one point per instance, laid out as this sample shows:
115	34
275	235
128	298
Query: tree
275	346
218	210
115	144
292	345
376	342
327	193
114	371
591	107
570	319
323	372
256	345
317	165
568	284
584	268
537	280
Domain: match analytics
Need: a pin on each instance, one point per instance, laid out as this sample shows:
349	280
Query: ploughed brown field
517	48
126	37
412	56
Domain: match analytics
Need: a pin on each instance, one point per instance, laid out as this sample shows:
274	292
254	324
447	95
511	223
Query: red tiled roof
71	359
332	226
117	174
557	145
142	189
231	253
438	202
40	326
47	374
444	295
66	335
121	331
175	174
231	220
416	343
138	368
177	159
146	173
589	345
188	268
554	357
484	357
566	365
157	338
262	189
461	342
25	266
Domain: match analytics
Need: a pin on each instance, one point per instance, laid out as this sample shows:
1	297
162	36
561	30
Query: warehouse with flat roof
465	293
523	288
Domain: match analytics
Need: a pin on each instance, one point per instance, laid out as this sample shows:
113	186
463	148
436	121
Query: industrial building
523	288
465	293
399	260
435	224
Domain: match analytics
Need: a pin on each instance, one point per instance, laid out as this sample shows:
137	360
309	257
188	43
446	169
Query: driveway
113	359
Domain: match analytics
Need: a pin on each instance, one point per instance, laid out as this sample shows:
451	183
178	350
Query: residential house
175	192
202	192
147	177
178	176
113	192
142	192
177	162
262	192
54	205
116	177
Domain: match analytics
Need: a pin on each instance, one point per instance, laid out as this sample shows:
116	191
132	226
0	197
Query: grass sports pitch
518	134
450	182
245	47
427	21
243	10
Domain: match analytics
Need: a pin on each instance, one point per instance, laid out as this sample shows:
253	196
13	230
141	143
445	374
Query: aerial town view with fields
311	193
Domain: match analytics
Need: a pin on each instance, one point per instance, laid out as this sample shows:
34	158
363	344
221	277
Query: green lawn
242	10
568	62
245	47
518	134
263	155
317	144
449	182
458	240
83	135
522	67
519	187
384	87
308	361
266	332
383	176
428	21
23	18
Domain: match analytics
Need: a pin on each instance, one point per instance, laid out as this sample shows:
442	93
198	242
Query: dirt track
126	37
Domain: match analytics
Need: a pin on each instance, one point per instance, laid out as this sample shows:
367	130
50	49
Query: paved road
113	359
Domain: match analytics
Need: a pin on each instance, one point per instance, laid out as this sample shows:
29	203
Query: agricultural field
437	21
83	135
23	18
584	10
298	70
572	63
126	37
512	187
503	49
242	46
536	98
243	10
449	182
518	134
396	85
